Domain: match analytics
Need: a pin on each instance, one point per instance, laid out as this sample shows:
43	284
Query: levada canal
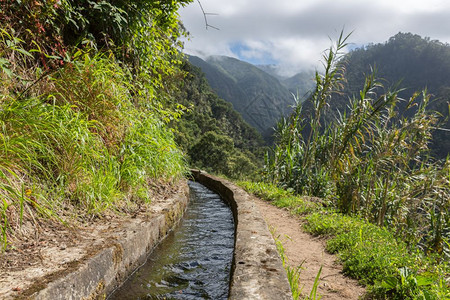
194	260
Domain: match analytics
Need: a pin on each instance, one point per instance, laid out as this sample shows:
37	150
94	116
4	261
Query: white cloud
295	32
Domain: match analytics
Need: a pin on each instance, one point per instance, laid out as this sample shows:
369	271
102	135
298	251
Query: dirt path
300	247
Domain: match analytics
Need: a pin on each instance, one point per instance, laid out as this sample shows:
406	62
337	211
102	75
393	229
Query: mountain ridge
260	98
406	63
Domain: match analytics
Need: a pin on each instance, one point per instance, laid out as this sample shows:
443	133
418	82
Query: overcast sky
294	33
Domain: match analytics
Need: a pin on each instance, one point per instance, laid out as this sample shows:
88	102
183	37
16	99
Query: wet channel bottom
194	260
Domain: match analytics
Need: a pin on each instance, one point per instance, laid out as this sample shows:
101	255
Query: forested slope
212	133
259	97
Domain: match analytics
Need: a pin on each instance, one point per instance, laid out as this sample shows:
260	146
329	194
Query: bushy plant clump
83	122
379	260
367	160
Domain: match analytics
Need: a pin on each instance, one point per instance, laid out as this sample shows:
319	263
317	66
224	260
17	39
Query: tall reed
368	159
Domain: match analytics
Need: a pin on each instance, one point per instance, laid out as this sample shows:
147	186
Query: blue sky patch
253	56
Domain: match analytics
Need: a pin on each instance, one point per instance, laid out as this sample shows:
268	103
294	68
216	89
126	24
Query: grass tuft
76	141
389	267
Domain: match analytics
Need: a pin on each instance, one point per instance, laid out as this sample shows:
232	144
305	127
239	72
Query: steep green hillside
86	89
212	133
258	96
300	84
272	70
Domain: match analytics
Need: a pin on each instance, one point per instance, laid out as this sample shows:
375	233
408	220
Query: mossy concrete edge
97	276
257	271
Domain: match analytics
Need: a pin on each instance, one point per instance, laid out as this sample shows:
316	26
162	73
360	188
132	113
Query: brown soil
308	251
43	250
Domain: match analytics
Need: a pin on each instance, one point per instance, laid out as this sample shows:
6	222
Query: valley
104	117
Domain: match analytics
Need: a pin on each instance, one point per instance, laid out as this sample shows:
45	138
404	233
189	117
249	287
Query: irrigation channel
194	260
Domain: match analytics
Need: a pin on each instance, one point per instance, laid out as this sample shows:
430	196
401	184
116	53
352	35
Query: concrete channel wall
98	275
257	269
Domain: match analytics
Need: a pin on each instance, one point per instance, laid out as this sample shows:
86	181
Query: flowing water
194	260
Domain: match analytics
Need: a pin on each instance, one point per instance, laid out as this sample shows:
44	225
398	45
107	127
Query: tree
212	152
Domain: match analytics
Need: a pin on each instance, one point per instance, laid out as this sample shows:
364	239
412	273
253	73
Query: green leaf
389	282
24	52
3	62
423	280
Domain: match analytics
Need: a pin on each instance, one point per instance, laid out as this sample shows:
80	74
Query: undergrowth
83	131
387	199
279	197
387	266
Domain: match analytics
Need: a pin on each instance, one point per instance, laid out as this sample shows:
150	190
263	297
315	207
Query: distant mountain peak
260	97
